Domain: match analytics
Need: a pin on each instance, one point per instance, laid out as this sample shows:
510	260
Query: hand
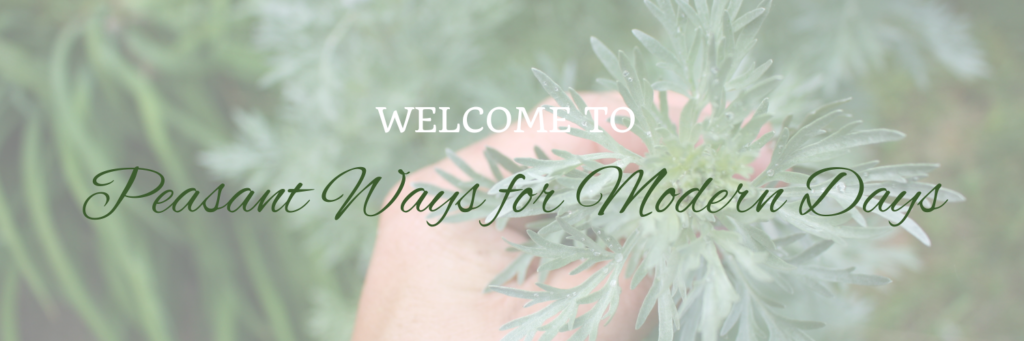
427	283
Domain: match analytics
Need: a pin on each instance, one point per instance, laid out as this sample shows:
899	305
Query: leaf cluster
717	275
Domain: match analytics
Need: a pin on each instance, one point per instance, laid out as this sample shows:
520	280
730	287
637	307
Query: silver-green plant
722	275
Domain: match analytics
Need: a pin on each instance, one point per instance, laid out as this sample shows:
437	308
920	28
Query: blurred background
267	93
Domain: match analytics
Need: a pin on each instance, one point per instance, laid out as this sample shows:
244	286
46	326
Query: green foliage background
211	91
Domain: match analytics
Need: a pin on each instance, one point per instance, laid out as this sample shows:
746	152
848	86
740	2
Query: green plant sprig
719	275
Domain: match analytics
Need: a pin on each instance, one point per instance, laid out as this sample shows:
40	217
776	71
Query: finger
612	100
417	270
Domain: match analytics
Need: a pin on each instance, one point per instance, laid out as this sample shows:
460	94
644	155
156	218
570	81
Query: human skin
427	283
